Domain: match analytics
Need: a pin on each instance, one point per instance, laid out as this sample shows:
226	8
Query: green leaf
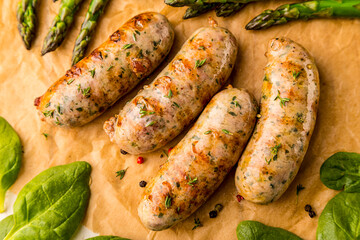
107	238
340	218
52	205
10	158
253	230
5	226
342	171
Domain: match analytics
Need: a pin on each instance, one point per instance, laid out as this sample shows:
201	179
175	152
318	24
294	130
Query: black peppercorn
312	214
308	208
213	214
123	152
142	184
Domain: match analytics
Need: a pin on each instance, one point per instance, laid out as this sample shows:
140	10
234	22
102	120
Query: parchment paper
25	75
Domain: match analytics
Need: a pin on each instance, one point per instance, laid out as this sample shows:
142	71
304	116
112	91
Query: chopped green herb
300	117
265	78
167	202
160	215
137	32
156	43
282	100
47	105
144	112
274	152
199	63
236	103
150	123
110	68
170	94
299	188
128	54
57	122
79	109
121	173
70	81
191	181
127	46
134	37
226	132
165	153
232	114
92	72
176	105
140	55
296	74
86	92
45	135
49	113
208	132
197	223
58	109
202	47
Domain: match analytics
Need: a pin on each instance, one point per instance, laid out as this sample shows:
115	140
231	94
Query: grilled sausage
163	109
290	97
108	73
201	160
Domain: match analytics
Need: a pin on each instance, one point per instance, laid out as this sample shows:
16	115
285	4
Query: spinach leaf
10	158
5	226
340	218
107	238
253	230
342	170
52	205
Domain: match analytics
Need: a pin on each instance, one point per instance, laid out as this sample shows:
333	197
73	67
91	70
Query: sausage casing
109	72
164	108
289	103
200	161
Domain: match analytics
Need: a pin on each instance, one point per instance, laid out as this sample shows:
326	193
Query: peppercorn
123	152
312	214
239	198
140	160
219	207
142	184
213	214
308	208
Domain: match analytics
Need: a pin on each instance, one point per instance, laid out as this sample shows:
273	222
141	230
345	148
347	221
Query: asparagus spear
60	25
306	10
95	10
194	11
227	9
181	3
26	17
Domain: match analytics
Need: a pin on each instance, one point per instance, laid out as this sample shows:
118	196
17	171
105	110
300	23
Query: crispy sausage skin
109	72
289	103
164	108
200	161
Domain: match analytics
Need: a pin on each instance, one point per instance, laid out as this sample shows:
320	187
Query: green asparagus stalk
194	11
26	17
60	25
181	3
94	12
306	10
227	9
